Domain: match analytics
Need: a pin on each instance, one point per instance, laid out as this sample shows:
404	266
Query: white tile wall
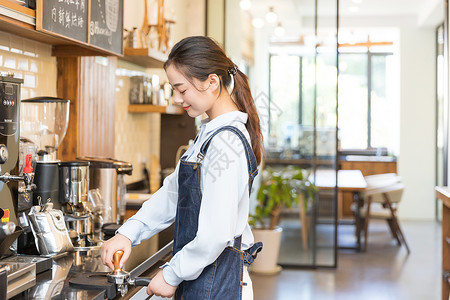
31	61
137	134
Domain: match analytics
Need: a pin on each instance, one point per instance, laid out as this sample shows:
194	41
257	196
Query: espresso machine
18	272
9	164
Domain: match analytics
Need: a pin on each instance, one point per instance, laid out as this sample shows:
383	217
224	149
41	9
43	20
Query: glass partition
441	113
325	158
292	68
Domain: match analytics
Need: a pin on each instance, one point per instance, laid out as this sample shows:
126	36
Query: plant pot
266	262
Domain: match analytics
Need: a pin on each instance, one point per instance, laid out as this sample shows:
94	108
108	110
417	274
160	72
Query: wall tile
24	93
43	50
134	131
16	44
4	40
10	62
29	47
34	59
33	66
22	64
29	80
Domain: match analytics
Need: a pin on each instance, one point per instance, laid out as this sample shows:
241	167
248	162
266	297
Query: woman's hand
159	287
118	242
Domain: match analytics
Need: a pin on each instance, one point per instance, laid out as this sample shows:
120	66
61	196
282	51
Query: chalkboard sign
106	25
69	18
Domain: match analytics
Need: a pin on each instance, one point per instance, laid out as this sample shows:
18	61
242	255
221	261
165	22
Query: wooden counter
443	194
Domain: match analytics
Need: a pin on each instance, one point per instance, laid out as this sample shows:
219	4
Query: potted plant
279	189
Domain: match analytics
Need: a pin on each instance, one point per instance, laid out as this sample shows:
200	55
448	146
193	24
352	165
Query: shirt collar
223	120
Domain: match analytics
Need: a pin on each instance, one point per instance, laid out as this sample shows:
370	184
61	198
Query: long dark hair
198	57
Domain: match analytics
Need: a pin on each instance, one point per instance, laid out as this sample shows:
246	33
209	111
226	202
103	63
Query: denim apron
222	280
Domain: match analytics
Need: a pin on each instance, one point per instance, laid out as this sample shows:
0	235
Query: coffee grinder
78	211
44	122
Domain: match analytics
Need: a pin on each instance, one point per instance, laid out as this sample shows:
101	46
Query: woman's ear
214	82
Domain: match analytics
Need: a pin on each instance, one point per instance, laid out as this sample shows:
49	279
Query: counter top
62	280
443	194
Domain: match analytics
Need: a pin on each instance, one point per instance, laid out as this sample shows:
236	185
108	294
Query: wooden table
347	180
443	194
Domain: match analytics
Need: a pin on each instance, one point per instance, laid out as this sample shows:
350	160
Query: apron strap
237	242
251	253
251	160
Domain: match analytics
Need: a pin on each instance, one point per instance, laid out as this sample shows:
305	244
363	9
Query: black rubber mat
94	281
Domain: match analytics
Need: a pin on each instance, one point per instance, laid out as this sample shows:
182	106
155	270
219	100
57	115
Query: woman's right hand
116	243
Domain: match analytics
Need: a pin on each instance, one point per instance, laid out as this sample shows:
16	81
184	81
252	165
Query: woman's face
196	98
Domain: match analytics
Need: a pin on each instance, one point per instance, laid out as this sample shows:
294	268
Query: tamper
122	278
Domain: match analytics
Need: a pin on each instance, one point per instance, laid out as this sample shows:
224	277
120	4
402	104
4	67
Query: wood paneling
97	107
68	88
90	86
369	167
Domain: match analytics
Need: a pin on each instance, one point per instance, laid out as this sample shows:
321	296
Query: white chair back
389	183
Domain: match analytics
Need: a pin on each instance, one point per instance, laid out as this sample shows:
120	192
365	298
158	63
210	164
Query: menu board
106	24
95	22
69	18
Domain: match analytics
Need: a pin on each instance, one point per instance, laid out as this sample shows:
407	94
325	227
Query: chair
381	199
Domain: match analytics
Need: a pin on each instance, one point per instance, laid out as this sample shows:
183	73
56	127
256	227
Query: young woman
208	194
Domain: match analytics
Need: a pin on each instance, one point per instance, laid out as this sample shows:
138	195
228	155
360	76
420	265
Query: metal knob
3	154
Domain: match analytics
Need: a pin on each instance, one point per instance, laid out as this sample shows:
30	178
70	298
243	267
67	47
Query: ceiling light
279	30
271	16
245	4
258	22
353	9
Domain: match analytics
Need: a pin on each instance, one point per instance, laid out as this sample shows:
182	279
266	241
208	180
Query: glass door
292	68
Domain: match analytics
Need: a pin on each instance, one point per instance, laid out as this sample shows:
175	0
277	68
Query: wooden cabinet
368	167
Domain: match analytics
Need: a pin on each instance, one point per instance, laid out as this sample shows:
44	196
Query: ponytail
199	56
245	103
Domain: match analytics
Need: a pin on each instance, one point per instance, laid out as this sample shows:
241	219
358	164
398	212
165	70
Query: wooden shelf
147	108
21	21
144	57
